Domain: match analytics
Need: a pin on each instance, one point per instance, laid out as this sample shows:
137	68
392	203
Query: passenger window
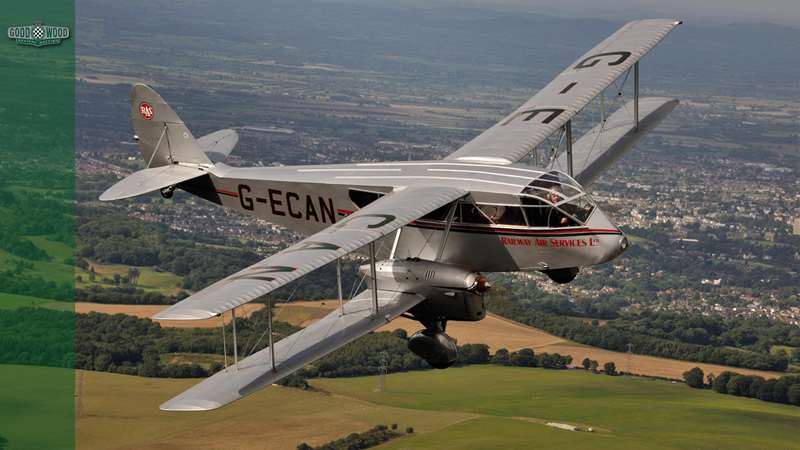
556	218
363	198
471	214
537	215
580	207
439	214
512	215
544	215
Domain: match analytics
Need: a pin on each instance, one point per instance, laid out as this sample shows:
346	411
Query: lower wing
355	319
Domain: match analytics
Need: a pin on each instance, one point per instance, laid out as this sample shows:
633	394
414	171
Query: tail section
163	137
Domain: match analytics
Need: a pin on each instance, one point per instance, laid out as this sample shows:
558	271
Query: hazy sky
786	12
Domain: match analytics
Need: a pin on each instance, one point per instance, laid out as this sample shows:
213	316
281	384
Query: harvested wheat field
495	331
498	332
121	412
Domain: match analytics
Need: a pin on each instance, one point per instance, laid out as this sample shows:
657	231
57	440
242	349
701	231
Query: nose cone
611	245
614	249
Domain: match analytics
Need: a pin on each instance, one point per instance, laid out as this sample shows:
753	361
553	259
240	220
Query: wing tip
176	405
184	314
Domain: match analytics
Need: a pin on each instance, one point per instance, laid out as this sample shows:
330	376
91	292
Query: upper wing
338	328
376	220
597	150
548	110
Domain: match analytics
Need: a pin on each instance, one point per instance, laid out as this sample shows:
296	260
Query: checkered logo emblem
38	34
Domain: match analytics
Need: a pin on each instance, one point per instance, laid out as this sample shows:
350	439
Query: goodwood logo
38	34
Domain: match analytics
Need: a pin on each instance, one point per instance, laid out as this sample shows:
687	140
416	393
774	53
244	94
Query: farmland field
495	331
479	407
150	280
498	332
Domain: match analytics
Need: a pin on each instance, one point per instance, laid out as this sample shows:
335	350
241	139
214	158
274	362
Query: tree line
617	335
785	389
111	237
130	345
373	437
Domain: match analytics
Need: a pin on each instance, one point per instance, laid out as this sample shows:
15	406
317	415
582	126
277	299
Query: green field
36	407
205	360
625	412
479	407
166	283
11	301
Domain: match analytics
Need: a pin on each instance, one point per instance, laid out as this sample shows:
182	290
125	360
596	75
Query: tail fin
163	137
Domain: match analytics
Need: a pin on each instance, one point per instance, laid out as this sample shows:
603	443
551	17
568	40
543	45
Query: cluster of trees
609	368
527	358
13	282
124	295
617	335
125	344
785	389
114	238
37	336
357	441
32	213
758	334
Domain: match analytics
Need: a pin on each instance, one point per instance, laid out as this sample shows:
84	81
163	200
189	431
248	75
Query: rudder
163	137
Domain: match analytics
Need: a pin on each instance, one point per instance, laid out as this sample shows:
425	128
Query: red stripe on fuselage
525	231
230	193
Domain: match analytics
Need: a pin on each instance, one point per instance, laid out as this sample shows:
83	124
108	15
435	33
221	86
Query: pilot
555	218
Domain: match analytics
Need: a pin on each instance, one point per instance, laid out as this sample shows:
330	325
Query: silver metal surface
357	230
315	341
152	179
513	137
636	95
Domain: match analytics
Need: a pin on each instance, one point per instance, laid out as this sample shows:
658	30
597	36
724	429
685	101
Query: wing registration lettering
533	112
592	61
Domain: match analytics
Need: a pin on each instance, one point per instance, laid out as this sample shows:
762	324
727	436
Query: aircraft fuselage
308	199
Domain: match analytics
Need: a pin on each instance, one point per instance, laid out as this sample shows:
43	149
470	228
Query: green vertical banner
37	225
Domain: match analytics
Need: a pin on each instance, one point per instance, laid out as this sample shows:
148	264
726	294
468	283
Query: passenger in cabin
555	217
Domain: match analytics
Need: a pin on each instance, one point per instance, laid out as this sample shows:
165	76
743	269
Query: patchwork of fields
497	332
478	407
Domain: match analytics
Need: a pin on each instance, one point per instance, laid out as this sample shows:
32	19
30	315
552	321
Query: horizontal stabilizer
292	353
219	144
149	180
599	148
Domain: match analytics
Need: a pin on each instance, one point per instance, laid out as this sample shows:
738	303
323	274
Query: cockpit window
471	213
503	214
439	213
556	200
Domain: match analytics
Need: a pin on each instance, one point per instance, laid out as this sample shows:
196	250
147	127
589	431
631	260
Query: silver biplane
442	222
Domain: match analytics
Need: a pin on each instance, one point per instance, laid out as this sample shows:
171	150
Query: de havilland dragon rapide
438	226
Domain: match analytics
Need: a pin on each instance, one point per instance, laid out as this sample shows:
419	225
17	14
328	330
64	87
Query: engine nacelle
436	347
451	293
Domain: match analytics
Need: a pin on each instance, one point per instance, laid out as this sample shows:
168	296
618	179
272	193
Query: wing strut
635	97
374	275
339	283
450	216
224	345
269	320
568	138
235	347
